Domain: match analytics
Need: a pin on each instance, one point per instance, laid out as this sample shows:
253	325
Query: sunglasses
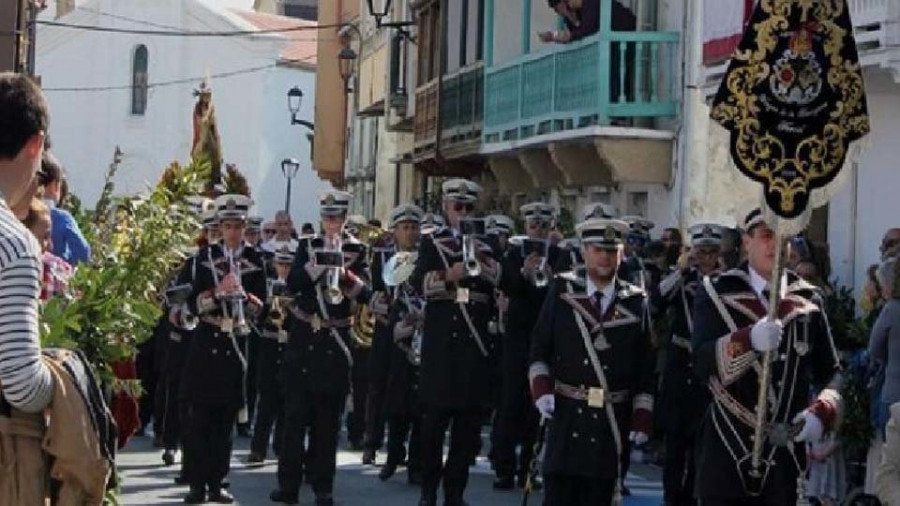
539	224
269	231
459	207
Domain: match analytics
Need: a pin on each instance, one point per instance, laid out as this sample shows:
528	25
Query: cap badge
329	199
610	234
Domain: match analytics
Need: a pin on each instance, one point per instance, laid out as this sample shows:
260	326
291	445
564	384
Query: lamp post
346	59
379	9
289	167
295	99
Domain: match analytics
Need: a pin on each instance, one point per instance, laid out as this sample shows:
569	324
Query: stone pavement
147	483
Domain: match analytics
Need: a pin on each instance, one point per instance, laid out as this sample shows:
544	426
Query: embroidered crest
329	199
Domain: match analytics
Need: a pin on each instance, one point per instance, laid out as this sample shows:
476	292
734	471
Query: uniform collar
759	283
607	291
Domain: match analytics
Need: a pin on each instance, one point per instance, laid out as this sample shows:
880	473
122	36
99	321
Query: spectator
890	244
872	301
57	272
68	242
887	477
268	231
884	342
284	238
671	239
25	379
308	230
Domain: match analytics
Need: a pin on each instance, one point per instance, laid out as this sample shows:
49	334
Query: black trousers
269	406
250	348
678	474
320	414
400	430
375	418
147	375
208	444
465	428
356	421
516	426
567	490
171	411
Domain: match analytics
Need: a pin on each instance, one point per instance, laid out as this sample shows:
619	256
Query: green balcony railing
461	102
595	81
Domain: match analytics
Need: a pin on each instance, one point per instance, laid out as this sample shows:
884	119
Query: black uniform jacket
379	359
725	360
683	398
402	393
580	438
457	363
214	372
319	359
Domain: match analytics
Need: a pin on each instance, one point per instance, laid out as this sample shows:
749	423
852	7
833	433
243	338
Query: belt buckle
227	325
282	336
315	322
462	295
595	398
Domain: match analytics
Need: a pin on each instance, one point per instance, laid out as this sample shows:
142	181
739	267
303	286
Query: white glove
766	335
546	404
812	430
638	438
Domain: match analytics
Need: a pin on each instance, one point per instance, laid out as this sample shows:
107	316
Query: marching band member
328	273
402	407
457	274
272	341
731	329
227	292
591	371
683	399
526	276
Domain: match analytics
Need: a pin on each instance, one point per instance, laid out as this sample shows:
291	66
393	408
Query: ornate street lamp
295	99
346	59
289	167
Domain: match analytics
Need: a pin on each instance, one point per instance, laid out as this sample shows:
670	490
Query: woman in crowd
884	342
57	271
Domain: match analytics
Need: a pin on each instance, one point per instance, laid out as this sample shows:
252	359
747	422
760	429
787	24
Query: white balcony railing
871	19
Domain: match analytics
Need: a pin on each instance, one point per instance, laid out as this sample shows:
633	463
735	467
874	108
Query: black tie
598	302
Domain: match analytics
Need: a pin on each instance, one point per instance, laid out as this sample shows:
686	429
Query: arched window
139	81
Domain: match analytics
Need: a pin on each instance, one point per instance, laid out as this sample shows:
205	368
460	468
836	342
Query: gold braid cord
793	99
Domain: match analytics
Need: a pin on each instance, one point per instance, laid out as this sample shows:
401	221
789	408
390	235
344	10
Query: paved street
147	483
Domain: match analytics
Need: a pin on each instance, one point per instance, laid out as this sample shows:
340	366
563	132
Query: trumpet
276	312
236	301
177	297
333	277
540	274
473	267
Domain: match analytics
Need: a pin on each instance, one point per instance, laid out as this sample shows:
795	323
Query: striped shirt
25	380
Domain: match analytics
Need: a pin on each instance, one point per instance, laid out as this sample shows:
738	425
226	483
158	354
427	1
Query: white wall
251	108
854	240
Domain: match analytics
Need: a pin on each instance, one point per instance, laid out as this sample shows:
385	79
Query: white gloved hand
812	430
638	438
546	404
766	335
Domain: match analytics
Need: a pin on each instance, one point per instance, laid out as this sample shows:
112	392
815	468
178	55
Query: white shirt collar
759	283
608	292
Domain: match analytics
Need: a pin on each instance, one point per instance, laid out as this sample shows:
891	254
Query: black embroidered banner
793	99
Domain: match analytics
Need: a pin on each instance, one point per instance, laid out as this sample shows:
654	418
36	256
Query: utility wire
184	33
174	82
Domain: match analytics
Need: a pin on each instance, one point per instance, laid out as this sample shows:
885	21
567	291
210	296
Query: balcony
584	113
460	106
877	33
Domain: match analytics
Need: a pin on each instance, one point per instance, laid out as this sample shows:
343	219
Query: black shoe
387	471
225	484
181	480
414	477
168	457
195	496
219	496
368	458
325	500
283	497
255	460
504	483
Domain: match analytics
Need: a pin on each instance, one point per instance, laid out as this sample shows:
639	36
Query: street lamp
346	58
379	9
289	167
295	98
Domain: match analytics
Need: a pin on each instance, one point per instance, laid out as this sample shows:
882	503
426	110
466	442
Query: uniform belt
451	296
215	321
581	393
316	320
269	334
681	342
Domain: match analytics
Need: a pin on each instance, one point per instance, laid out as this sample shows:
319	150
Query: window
139	81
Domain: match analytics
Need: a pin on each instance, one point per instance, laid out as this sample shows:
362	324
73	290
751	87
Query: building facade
135	91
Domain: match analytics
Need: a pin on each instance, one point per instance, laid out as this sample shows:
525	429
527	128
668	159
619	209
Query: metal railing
589	82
